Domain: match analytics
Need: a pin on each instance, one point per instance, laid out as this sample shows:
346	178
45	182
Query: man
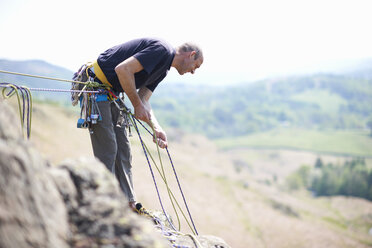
136	68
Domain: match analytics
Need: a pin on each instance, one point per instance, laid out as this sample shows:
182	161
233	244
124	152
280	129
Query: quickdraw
89	113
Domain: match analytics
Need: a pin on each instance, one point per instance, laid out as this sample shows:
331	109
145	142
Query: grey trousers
111	146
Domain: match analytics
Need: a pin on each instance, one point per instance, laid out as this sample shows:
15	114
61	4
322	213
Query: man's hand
142	113
162	139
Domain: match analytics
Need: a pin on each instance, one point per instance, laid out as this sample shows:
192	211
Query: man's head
188	58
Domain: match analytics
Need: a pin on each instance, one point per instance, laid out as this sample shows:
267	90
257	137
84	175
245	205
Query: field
235	191
337	142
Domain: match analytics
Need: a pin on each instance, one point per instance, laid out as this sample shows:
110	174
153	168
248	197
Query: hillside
237	195
339	101
309	102
40	68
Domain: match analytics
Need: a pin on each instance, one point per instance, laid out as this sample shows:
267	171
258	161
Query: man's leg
103	137
123	162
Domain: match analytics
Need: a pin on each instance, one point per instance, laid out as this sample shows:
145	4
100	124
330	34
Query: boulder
98	212
32	212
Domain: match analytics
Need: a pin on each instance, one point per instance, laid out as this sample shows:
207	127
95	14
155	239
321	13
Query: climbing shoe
142	211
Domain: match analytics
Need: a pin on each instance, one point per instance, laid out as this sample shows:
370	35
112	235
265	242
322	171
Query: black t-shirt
155	56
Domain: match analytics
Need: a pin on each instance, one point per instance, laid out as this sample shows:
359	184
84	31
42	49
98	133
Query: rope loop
25	112
161	172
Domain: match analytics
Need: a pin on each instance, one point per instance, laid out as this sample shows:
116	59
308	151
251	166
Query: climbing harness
89	87
89	113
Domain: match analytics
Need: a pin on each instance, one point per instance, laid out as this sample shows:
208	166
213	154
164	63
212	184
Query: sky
242	40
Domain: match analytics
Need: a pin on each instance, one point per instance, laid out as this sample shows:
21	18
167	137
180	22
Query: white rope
62	90
56	90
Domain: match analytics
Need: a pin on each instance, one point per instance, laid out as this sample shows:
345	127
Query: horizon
339	67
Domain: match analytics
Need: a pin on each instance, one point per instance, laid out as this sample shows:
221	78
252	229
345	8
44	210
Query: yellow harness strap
99	73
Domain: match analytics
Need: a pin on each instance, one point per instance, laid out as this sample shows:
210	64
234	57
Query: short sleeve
151	56
156	83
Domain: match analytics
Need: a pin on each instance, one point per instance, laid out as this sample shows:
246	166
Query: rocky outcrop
98	213
32	212
76	204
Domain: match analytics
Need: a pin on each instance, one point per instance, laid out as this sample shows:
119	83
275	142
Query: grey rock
32	212
180	239
10	130
98	211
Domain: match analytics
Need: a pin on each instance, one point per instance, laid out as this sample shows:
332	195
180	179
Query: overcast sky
241	40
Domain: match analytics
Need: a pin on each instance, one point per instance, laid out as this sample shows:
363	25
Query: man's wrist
157	128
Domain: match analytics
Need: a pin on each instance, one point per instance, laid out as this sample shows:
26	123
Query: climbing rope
25	93
163	176
178	182
171	195
125	110
25	112
43	77
63	91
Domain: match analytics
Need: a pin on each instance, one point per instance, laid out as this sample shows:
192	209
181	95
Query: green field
354	143
325	100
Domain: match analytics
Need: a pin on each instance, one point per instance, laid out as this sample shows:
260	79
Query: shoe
142	211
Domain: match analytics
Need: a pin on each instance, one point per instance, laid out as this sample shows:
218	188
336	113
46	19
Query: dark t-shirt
155	56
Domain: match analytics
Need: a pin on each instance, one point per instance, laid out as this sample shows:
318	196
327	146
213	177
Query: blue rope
152	174
178	182
183	196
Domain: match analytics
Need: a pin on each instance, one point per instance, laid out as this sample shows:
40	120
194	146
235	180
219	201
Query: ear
192	54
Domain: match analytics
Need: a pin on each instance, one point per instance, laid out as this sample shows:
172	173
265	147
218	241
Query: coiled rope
24	92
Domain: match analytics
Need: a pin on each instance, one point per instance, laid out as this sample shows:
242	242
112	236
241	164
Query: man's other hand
162	139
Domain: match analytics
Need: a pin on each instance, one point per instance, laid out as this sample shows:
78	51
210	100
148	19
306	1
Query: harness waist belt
99	73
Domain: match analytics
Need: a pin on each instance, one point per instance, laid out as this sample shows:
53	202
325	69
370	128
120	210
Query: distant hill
360	68
321	101
40	68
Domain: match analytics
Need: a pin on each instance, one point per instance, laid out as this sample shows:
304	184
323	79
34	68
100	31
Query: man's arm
125	72
145	94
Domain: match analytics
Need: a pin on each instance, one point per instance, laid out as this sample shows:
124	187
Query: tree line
268	104
352	178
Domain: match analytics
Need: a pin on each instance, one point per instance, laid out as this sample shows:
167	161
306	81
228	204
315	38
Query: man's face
189	64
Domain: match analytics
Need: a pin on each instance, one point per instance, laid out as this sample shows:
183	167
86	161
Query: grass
338	142
327	102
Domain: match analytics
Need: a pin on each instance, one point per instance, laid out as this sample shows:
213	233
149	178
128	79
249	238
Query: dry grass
234	195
